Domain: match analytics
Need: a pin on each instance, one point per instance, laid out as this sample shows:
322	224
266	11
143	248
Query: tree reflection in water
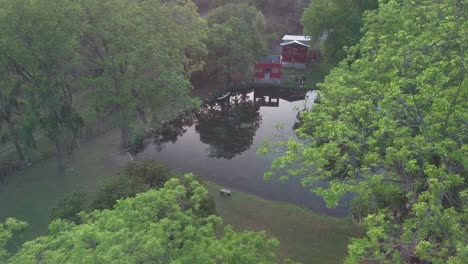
170	131
229	126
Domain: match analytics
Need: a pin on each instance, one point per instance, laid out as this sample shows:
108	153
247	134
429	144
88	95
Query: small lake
218	143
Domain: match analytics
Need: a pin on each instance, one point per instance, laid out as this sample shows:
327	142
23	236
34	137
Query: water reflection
219	143
168	132
228	126
267	96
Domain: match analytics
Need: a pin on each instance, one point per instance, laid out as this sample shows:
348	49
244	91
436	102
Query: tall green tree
280	16
143	53
10	109
159	226
235	41
392	128
7	229
38	44
337	23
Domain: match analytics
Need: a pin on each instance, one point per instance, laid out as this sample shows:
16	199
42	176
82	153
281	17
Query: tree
159	226
280	16
143	53
339	21
38	43
235	41
137	177
392	128
11	109
7	229
247	13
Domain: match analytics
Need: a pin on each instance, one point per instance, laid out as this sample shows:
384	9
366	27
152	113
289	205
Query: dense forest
390	126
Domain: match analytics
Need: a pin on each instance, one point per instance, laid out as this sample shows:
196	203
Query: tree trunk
125	132
12	129
19	151
59	154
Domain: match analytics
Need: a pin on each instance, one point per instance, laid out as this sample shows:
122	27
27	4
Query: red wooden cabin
268	70
295	51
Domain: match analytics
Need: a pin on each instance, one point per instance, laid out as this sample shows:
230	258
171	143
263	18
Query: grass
304	236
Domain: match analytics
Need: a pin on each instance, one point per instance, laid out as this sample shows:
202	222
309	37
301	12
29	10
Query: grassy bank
304	236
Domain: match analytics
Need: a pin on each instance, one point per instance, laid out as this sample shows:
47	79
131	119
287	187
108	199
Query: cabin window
258	70
275	70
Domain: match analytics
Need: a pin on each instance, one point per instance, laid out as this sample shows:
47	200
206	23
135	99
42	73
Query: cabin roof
285	43
290	39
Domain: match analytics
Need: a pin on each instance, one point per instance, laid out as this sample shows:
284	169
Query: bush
150	172
137	143
121	187
137	177
70	206
207	205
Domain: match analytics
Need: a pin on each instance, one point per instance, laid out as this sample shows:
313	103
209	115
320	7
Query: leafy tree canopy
159	226
143	53
247	13
235	41
392	127
339	20
38	52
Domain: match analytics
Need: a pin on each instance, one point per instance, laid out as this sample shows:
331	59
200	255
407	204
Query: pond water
219	143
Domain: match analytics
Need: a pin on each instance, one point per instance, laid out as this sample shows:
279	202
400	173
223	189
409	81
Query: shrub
137	177
70	206
121	187
150	172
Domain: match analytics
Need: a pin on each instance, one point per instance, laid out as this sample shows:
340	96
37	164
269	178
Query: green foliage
247	13
134	56
281	17
339	20
13	115
136	177
119	188
70	206
391	127
7	229
235	41
151	173
40	56
143	53
153	227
